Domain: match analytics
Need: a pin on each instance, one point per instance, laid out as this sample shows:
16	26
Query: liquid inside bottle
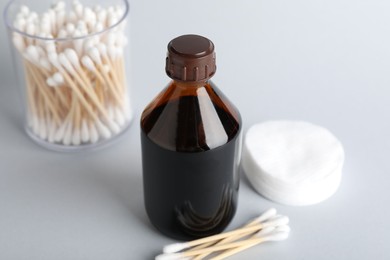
190	136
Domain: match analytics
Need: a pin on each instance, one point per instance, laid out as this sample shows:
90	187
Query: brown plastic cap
190	58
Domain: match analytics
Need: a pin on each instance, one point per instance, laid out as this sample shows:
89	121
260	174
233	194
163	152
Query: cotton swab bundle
267	215
278	236
283	220
266	227
75	85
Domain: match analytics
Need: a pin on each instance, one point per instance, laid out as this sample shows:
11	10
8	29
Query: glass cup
70	61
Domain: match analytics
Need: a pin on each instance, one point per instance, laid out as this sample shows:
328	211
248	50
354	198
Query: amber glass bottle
190	136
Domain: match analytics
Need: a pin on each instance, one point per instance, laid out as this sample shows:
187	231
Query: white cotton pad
293	162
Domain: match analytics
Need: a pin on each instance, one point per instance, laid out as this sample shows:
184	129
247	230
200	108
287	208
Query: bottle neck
190	84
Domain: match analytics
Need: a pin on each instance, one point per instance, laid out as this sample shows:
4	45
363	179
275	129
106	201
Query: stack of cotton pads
293	162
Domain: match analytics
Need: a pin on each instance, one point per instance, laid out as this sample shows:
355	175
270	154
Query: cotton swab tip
103	130
84	131
53	58
30	28
51	47
266	215
171	257
93	134
66	63
114	127
265	231
62	34
59	6
98	27
18	42
283	228
51	82
32	53
172	248
76	138
106	68
58	78
88	63
119	117
95	55
45	63
70	27
73	57
42	130
20	24
280	236
24	10
102	48
279	221
59	135
68	135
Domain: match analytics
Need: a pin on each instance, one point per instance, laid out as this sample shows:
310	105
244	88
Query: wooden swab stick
268	215
80	96
278	234
116	60
101	73
276	237
67	135
73	58
57	77
52	108
65	62
120	67
94	136
253	241
32	53
85	134
41	84
30	88
41	130
76	138
263	217
180	246
113	71
41	67
74	87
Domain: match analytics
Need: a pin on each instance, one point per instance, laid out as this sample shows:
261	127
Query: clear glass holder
70	62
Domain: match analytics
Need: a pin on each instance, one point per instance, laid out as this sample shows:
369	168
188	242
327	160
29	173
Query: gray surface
326	62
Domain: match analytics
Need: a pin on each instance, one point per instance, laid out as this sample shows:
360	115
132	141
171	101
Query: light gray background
327	62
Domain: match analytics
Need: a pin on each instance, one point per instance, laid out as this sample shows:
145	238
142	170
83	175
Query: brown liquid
190	173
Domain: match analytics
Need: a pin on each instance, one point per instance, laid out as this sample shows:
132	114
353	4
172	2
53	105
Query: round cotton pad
293	162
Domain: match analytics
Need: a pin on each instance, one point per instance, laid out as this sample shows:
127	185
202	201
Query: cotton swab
283	220
54	79
267	215
66	63
278	236
45	94
270	213
67	139
59	135
94	136
51	82
266	227
262	233
52	131
85	135
54	60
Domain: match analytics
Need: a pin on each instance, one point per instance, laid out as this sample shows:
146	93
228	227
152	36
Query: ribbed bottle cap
190	58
